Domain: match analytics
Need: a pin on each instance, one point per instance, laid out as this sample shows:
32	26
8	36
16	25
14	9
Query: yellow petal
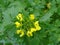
32	17
18	24
19	17
29	33
33	29
38	28
36	23
22	34
18	31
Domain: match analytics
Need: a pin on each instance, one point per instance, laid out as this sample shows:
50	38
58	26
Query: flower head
19	17
32	17
32	25
21	32
38	28
18	31
36	23
18	24
29	33
33	29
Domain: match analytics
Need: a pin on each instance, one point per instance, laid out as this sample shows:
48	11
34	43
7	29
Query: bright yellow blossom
33	29
21	32
18	24
36	23
38	28
18	31
29	33
32	17
19	17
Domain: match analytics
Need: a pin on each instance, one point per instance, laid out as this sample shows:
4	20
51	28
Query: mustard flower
19	17
26	23
33	29
38	28
18	31
29	33
18	24
21	32
36	24
32	17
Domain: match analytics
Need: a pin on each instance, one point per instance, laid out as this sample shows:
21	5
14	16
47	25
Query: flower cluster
26	25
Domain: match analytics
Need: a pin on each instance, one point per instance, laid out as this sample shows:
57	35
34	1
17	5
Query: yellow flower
32	17
49	5
18	24
36	23
19	17
33	29
38	28
18	31
29	33
21	32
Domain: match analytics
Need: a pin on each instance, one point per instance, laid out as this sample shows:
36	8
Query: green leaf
47	15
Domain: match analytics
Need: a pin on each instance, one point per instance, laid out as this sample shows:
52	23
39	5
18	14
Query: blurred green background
46	11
